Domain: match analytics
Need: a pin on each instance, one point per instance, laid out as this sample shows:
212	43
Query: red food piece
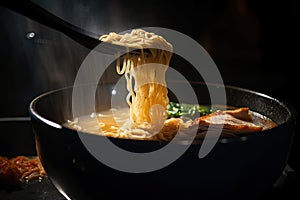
9	173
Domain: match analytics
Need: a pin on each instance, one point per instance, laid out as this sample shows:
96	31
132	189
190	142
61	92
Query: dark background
254	44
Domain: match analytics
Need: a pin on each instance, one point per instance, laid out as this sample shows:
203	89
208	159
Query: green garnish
188	110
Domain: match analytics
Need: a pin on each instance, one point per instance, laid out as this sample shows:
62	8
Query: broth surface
116	123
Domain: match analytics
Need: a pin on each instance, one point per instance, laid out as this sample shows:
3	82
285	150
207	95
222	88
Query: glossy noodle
148	98
150	115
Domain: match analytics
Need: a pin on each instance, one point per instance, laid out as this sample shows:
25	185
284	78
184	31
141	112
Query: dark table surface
44	190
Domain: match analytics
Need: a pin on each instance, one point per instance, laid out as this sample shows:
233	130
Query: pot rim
238	138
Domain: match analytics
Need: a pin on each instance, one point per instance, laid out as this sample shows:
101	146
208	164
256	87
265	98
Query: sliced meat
237	120
240	113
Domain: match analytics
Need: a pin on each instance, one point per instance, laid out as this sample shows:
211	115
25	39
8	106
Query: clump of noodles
148	97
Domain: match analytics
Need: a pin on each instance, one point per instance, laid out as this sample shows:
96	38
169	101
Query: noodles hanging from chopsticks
148	97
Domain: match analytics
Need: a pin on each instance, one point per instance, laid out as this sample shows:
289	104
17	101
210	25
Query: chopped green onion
188	110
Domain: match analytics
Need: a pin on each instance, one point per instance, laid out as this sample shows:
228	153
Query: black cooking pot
246	166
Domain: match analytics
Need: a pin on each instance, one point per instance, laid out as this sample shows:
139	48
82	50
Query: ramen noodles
146	116
148	98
